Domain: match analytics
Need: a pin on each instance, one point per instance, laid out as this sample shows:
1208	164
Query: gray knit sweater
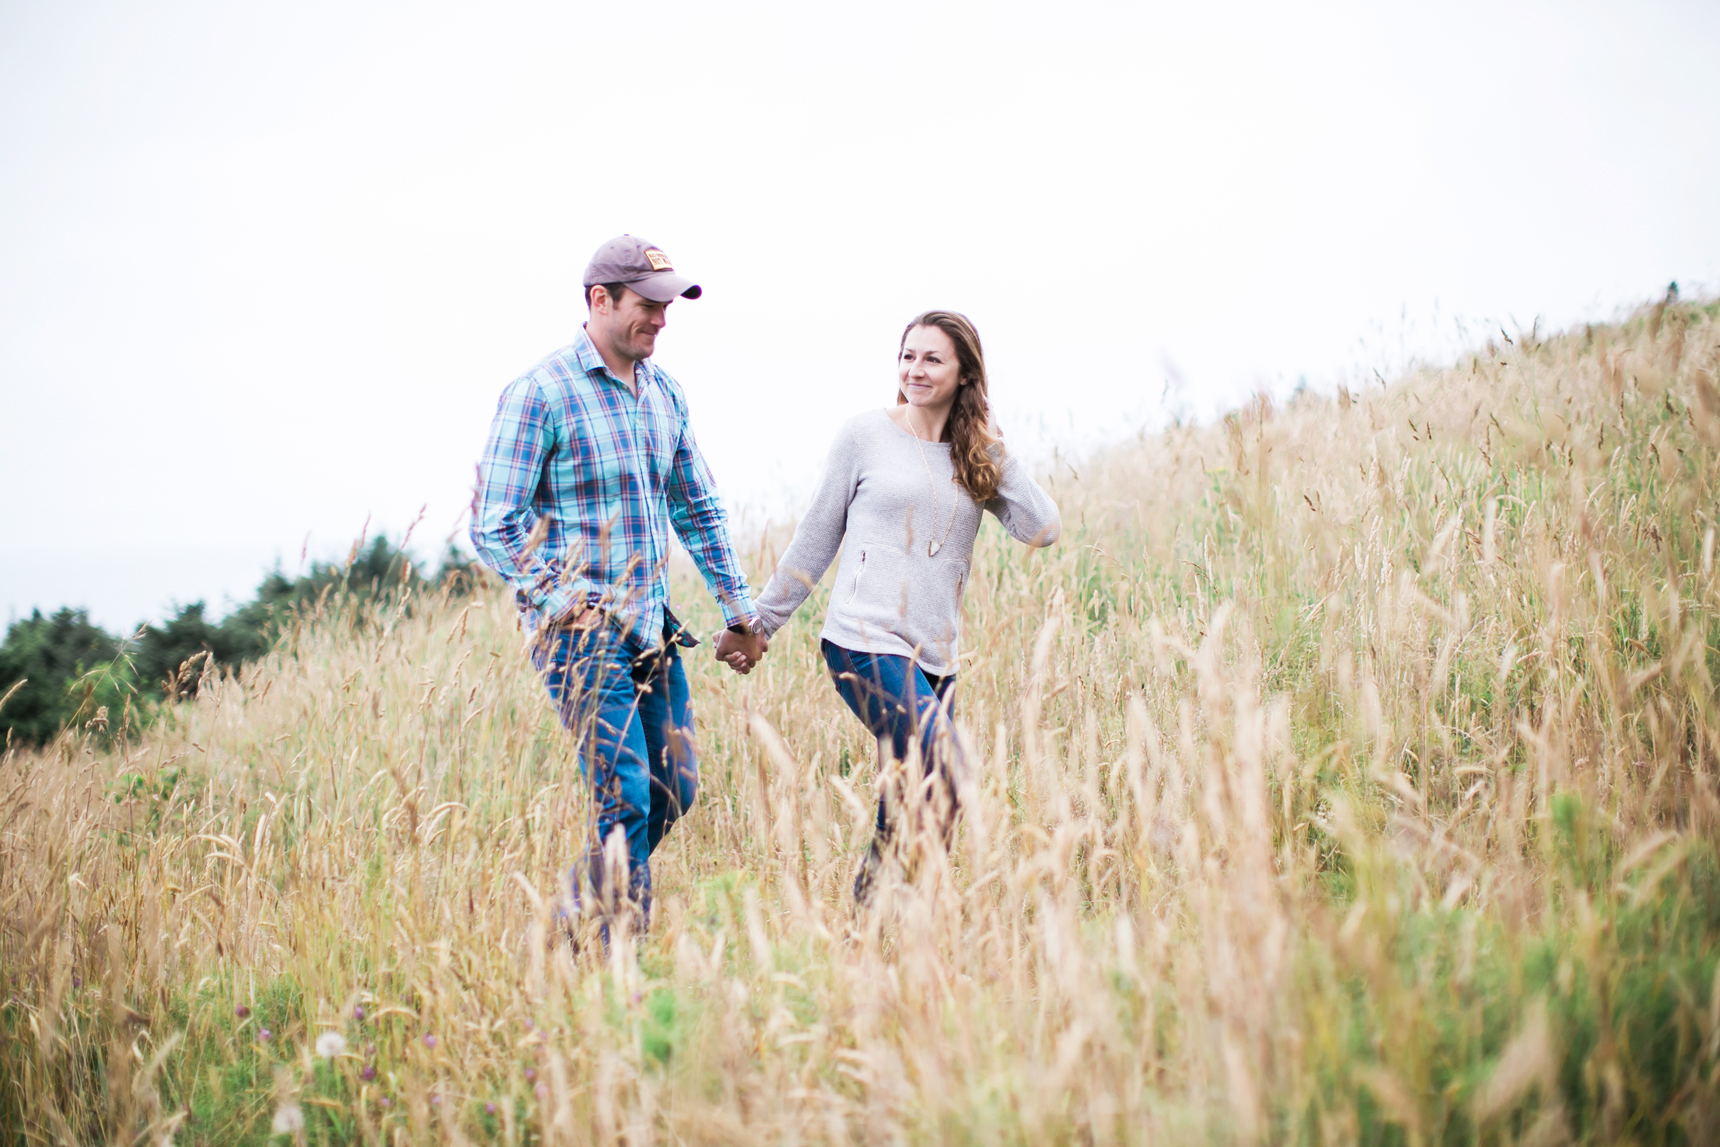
891	595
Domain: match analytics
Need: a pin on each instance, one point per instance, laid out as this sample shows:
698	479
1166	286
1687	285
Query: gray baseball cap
641	266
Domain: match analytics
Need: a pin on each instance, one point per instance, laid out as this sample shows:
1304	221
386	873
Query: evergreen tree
70	667
164	653
59	669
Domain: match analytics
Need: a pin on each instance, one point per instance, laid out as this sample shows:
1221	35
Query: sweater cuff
769	623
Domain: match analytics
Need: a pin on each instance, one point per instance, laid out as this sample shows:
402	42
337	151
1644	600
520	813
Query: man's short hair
614	290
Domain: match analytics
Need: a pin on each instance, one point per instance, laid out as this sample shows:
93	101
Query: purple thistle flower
489	1109
241	1011
531	1074
265	1035
385	1101
430	1040
435	1100
358	1013
369	1072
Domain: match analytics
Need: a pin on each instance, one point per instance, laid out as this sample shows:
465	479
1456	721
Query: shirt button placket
641	475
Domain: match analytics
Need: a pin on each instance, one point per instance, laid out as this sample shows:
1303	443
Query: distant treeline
64	669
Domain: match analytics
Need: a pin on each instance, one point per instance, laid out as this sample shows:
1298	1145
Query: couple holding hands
591	459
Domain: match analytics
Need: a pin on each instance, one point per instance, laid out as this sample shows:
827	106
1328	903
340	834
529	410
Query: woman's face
928	371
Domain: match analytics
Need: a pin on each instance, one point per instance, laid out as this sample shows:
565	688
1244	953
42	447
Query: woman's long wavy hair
978	469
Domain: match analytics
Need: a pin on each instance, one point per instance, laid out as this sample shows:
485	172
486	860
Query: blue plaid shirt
578	486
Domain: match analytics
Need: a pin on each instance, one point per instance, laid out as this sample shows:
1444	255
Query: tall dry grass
1349	776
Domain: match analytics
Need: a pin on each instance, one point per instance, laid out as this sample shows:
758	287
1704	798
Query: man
589	462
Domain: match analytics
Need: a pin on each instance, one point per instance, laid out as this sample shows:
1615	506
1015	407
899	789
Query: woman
901	497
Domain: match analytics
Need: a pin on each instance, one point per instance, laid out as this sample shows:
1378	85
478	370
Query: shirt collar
592	363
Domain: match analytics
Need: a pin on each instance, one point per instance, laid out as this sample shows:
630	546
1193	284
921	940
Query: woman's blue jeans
898	701
633	720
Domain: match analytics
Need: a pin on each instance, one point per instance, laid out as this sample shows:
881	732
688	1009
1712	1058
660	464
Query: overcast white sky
264	269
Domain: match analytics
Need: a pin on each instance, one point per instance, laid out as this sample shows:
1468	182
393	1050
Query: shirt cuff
738	610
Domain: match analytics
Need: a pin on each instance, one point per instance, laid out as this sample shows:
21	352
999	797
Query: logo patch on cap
658	260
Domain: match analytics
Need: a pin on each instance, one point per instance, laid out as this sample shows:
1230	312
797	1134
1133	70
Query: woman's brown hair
968	431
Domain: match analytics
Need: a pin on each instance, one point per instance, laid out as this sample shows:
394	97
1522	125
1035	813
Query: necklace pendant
932	549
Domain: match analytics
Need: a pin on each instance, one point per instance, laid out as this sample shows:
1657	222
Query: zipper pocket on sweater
858	574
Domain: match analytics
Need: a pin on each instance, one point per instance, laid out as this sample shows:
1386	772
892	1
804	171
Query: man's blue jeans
633	720
898	701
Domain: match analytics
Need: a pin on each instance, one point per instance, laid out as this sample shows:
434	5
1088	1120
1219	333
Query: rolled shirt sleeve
522	436
702	524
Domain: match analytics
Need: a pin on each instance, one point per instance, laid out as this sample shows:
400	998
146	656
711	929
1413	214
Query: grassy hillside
1349	778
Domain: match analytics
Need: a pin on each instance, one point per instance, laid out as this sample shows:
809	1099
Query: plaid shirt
600	475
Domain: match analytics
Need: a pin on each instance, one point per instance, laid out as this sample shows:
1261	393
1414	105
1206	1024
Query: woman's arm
1025	510
816	538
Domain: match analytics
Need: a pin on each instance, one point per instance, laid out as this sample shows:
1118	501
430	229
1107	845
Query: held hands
741	651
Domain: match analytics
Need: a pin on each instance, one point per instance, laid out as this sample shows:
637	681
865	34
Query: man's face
630	324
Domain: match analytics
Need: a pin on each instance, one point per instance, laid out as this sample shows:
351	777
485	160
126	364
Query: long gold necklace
937	542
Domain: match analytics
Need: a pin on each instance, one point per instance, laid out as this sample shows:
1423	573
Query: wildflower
288	1119
369	1072
489	1109
430	1040
531	1074
358	1013
242	1011
330	1044
435	1100
265	1035
385	1101
541	1091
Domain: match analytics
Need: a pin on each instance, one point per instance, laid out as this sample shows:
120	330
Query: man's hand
741	651
580	616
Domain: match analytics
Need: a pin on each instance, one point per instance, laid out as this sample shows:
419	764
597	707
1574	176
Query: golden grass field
1349	778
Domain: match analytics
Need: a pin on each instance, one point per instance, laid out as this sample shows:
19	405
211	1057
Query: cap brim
665	287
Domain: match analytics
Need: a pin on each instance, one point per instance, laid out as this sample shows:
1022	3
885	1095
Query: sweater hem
887	644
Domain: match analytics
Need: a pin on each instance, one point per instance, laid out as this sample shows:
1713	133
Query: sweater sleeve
1025	510
816	538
